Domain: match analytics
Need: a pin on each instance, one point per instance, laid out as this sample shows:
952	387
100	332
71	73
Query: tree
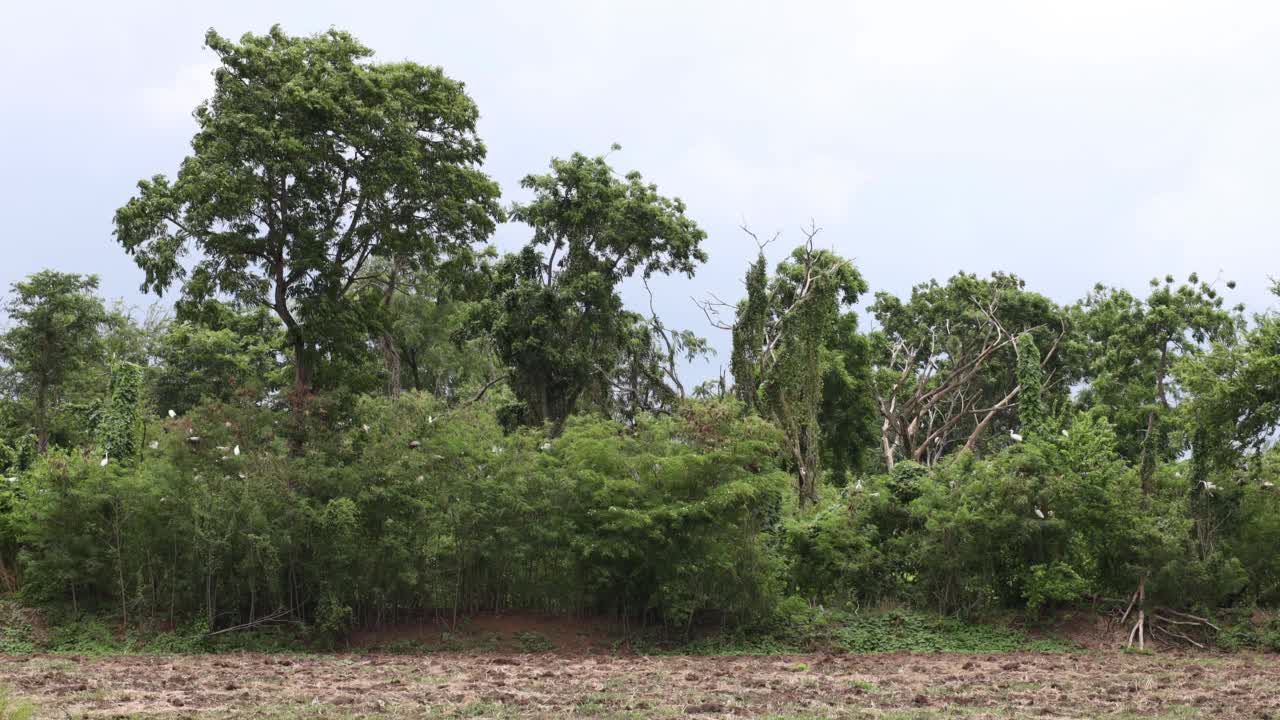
779	332
1132	347
419	324
309	162
215	352
848	411
945	361
554	312
56	320
120	422
1234	394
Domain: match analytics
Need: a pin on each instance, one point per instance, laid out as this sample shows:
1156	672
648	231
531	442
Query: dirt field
1113	685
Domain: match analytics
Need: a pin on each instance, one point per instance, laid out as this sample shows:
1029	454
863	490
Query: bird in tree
309	162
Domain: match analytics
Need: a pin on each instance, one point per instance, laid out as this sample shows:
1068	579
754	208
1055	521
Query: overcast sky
1069	142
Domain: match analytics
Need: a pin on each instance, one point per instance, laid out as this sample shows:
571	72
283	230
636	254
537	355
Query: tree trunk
300	397
1147	460
42	418
390	355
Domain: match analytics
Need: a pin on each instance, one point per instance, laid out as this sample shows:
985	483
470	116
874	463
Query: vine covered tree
780	332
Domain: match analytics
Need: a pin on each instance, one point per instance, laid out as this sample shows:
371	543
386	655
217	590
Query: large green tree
310	161
945	361
554	313
1235	394
1132	346
56	322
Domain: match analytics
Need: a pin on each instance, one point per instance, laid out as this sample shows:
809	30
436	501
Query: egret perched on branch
1039	513
857	487
104	461
172	414
1208	486
236	451
1066	434
154	445
1016	437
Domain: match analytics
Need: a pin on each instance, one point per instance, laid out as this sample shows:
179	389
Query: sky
1069	142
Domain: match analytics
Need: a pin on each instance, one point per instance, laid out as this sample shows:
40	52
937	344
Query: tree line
358	411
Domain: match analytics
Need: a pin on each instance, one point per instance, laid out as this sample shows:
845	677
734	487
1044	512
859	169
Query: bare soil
1087	685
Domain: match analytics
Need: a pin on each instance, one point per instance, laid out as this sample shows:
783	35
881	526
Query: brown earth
1088	685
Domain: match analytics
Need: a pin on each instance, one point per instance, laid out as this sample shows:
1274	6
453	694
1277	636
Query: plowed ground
1092	685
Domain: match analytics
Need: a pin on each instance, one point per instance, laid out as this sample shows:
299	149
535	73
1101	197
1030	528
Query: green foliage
1031	410
507	434
120	424
554	313
914	632
783	365
533	642
1132	346
945	363
310	160
55	321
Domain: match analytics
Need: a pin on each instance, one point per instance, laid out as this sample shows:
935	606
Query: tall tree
56	323
780	332
1132	346
555	315
310	161
1235	395
945	361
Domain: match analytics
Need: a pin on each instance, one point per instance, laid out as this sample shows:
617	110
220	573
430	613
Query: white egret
236	451
104	462
172	414
1016	437
1039	513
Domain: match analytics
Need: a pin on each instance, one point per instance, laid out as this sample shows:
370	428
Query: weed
533	642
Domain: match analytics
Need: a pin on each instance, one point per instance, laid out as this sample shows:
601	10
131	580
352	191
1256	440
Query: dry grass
1094	685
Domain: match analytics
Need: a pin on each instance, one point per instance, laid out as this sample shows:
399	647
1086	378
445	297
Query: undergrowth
802	630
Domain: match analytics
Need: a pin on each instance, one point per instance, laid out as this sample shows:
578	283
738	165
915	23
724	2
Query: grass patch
899	631
533	642
11	708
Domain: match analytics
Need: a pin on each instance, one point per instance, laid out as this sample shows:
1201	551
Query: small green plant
533	642
915	632
17	636
84	635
